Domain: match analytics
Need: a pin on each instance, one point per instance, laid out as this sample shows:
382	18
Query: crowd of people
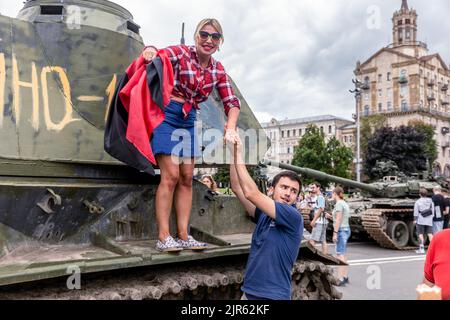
431	215
314	202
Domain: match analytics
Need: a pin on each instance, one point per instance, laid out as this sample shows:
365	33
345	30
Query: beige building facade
284	135
405	82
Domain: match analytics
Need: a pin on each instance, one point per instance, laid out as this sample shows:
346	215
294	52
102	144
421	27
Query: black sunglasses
214	36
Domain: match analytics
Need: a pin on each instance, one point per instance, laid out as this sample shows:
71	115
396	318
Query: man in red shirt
437	263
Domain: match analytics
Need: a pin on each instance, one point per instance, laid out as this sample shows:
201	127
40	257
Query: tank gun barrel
324	176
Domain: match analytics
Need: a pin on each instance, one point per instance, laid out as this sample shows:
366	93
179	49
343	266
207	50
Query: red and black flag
137	109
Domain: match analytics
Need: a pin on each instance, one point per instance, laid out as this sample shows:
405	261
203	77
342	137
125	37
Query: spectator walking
341	231
319	223
423	218
439	210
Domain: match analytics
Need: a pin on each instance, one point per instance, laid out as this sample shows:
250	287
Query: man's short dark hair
288	174
317	184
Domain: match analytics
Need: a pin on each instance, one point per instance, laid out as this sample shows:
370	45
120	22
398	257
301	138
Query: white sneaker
191	244
168	245
421	250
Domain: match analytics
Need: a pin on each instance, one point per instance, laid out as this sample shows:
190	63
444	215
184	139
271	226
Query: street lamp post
357	93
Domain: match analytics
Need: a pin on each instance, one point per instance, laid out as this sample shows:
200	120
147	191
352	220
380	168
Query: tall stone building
405	82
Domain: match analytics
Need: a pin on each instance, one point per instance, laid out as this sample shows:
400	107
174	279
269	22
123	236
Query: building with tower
405	82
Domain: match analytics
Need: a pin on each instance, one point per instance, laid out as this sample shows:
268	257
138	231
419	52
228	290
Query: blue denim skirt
176	135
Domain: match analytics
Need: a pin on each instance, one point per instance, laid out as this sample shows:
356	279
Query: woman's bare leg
164	193
183	197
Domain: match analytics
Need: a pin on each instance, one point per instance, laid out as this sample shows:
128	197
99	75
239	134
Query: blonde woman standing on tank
196	74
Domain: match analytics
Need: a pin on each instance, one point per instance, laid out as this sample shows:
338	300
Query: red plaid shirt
194	83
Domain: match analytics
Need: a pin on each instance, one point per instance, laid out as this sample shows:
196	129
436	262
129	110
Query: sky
289	58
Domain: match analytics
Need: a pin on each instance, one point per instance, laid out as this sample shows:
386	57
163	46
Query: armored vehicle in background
384	209
67	208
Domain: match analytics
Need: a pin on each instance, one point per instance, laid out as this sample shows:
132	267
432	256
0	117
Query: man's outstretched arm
249	187
237	190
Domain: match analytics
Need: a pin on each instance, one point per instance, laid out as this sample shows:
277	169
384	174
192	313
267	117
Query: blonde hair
212	22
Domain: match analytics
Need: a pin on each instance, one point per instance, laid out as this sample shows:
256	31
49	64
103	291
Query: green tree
369	125
404	145
340	158
223	175
431	151
313	152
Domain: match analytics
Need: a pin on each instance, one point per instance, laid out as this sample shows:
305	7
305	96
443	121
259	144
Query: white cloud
289	58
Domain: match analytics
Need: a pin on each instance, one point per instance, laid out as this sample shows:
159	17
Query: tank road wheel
413	239
398	232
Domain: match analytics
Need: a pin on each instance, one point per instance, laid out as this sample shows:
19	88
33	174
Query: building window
289	150
330	129
294	132
366	96
380	78
299	132
389	92
350	139
408	21
321	129
366	111
404	105
345	139
380	107
408	33
389	105
403	91
282	133
287	161
380	92
288	133
388	77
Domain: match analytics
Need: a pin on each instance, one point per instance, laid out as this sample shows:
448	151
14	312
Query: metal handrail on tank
374	189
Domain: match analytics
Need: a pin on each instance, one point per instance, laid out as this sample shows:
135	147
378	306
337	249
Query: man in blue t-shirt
278	233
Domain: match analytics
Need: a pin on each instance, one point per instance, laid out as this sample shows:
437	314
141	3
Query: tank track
374	227
311	280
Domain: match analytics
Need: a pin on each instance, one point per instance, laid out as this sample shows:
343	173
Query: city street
381	274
